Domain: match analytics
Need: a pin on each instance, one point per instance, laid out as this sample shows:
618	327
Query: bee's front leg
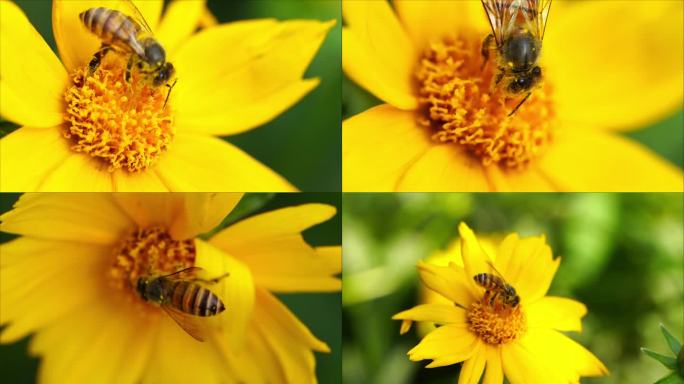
129	68
97	58
487	45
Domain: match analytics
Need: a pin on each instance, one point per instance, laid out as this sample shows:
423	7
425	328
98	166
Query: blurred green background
623	256
304	143
322	313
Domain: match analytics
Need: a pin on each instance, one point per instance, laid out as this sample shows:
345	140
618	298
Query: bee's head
525	81
163	74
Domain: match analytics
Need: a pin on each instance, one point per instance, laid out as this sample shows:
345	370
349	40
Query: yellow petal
494	373
236	290
378	146
254	362
562	356
76	44
529	179
427	21
450	282
181	19
377	53
80	173
472	368
90	218
272	246
475	259
147	209
557	313
174	345
524	366
445	168
437	313
105	342
32	79
289	339
43	280
590	160
147	181
202	212
20	168
221	168
528	265
625	75
446	345
262	79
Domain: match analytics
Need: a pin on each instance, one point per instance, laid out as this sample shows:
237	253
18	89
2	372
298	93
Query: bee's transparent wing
190	324
536	13
496	271
128	8
501	15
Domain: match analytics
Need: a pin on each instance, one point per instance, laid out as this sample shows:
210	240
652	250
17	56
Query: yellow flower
607	67
97	133
522	342
68	279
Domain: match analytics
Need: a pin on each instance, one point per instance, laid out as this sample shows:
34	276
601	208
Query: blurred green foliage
321	312
622	256
304	143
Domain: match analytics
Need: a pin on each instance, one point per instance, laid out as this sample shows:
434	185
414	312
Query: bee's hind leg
97	58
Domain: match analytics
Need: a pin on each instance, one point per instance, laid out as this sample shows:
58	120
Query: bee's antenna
519	104
169	93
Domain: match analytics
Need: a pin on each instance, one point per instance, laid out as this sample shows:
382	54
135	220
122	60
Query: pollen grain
125	125
495	325
149	251
460	105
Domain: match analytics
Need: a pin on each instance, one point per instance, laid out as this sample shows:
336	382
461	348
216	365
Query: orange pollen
461	104
495	325
123	124
146	252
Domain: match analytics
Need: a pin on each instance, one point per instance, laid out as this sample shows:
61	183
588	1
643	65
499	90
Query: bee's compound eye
213	308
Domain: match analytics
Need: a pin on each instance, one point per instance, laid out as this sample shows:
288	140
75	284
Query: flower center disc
462	105
149	251
125	125
495	326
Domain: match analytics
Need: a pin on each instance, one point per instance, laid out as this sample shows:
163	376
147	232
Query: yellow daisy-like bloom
522	342
96	132
607	66
69	277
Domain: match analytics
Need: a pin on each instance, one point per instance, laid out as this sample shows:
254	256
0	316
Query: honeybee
497	288
517	33
183	297
125	31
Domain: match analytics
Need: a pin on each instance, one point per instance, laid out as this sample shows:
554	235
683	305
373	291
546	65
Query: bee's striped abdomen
196	300
111	26
488	281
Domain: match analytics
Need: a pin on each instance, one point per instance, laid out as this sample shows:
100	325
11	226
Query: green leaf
672	378
667	361
674	344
